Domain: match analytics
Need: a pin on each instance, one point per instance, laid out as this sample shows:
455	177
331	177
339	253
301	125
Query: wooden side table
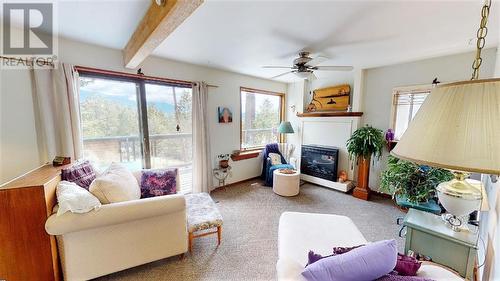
428	235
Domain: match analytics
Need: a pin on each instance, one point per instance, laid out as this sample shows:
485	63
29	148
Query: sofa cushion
81	173
365	263
116	184
76	199
158	182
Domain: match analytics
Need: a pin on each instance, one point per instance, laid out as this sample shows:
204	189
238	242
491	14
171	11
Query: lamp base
456	223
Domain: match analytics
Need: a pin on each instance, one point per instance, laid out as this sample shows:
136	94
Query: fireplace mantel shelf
330	114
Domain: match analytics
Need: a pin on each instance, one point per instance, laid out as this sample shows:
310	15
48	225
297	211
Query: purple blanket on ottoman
393	277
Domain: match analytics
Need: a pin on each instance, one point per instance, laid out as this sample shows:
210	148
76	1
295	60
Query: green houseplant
364	143
415	183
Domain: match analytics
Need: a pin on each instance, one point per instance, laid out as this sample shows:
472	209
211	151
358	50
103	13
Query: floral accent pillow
158	182
275	158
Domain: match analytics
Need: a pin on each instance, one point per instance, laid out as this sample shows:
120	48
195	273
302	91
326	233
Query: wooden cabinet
428	235
27	252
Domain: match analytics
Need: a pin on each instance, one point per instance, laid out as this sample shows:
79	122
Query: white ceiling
241	36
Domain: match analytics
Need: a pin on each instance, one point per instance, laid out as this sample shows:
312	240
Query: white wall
490	221
379	82
18	136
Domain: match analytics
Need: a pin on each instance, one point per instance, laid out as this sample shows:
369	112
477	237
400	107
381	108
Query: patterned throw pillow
275	158
158	182
81	173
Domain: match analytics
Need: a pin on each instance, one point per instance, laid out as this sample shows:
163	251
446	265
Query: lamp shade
457	128
285	128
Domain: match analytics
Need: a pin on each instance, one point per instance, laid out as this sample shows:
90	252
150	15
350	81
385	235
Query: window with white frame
405	104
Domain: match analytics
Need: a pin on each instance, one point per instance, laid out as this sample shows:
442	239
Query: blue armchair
288	162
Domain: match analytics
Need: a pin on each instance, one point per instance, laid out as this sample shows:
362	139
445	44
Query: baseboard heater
319	165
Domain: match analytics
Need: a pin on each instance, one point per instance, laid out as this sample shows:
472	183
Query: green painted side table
427	235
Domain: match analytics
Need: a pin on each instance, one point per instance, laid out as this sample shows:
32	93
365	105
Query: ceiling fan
304	66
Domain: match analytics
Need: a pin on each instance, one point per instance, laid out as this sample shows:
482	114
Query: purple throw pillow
158	182
365	263
343	250
313	257
407	265
82	174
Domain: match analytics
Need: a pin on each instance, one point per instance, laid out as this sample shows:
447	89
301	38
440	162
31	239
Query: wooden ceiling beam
158	23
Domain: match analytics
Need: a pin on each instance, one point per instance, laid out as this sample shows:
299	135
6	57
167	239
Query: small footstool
202	214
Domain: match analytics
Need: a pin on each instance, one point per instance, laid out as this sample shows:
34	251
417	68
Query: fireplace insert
320	161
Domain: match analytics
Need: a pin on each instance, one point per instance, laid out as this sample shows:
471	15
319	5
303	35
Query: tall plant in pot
365	143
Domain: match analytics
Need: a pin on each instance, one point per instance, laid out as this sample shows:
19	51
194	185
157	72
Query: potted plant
411	182
223	160
365	143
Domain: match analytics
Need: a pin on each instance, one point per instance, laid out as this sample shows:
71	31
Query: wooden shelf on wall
330	114
246	155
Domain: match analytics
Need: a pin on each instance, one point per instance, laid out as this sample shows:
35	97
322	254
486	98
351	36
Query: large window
139	123
406	103
261	114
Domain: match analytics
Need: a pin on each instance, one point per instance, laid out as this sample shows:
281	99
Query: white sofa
300	232
120	235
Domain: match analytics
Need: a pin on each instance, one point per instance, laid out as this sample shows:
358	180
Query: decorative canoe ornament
334	98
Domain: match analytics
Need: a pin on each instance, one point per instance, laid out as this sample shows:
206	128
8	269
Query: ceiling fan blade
282	74
274	66
317	60
334	68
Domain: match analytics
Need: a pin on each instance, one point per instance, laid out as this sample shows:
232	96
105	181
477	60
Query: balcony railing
167	151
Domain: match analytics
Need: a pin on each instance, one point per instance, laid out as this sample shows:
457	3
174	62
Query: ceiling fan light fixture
303	74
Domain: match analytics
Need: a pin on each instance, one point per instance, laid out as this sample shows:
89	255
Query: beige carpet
249	241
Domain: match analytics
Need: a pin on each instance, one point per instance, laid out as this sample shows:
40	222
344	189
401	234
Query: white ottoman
300	232
286	184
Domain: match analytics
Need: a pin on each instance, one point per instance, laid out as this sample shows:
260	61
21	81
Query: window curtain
56	95
202	164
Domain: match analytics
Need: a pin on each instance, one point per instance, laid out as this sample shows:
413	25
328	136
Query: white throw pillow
275	158
75	199
116	184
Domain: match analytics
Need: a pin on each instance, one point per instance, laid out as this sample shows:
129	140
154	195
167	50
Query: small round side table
286	184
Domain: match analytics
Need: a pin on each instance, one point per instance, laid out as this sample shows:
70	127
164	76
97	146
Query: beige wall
19	152
379	82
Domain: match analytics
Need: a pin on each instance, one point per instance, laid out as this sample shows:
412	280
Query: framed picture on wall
225	115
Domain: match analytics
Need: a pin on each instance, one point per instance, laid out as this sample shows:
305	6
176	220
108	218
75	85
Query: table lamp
457	128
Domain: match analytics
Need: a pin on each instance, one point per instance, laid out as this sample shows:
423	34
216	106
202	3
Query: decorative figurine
342	176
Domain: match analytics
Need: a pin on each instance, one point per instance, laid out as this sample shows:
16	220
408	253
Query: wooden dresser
27	252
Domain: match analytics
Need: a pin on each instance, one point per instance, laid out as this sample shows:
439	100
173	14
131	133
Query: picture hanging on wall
225	115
